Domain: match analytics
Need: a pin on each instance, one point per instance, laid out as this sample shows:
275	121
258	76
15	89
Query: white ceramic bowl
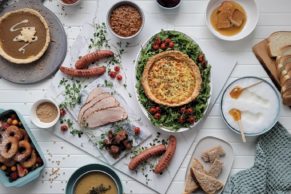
143	109
252	12
70	4
117	5
36	120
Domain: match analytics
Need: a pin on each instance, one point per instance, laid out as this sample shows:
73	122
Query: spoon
236	115
237	90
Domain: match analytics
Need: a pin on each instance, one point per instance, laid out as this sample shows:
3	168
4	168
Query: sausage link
92	72
167	157
87	59
143	156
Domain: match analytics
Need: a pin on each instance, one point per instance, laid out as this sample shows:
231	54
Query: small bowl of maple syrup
231	20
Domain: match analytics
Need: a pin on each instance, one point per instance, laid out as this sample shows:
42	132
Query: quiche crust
171	78
33	58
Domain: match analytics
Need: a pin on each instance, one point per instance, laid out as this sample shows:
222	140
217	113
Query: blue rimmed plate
276	111
81	172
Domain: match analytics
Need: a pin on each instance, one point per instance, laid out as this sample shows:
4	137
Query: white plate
252	12
145	112
207	143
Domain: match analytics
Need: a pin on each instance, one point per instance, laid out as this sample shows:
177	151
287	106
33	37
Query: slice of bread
287	99
211	154
281	63
208	184
191	185
285	50
215	168
278	40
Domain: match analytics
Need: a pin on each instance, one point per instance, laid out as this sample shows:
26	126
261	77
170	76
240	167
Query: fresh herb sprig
72	93
99	189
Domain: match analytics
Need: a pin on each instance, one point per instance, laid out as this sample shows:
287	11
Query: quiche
171	78
24	36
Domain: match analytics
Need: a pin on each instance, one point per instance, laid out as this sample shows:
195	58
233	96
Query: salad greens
169	117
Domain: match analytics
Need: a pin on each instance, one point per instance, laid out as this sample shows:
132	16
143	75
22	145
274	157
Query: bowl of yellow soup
94	178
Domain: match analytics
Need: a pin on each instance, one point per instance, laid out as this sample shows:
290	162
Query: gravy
96	180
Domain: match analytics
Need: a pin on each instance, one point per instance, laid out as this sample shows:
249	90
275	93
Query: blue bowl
263	130
79	173
31	176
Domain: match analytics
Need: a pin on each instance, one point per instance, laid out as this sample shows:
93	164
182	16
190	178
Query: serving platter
49	63
144	110
207	143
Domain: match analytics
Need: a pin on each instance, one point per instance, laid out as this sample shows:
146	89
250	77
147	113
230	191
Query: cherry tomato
167	41
136	130
157	116
201	58
62	112
182	110
119	77
152	110
116	68
64	127
112	74
158	109
171	44
189	110
191	119
163	46
181	119
156	47
158	41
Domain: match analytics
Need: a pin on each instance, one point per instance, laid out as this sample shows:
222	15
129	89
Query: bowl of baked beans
125	19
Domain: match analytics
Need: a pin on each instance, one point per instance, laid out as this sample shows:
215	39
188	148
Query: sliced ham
91	103
105	103
106	116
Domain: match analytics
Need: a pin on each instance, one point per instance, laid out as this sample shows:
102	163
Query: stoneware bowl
252	13
78	174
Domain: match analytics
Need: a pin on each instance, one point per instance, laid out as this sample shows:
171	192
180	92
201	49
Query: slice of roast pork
94	93
105	103
92	103
106	116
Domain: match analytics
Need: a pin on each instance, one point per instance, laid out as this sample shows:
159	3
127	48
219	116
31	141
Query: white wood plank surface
275	16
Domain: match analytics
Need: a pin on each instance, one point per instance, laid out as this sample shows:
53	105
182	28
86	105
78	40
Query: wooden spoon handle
243	137
254	84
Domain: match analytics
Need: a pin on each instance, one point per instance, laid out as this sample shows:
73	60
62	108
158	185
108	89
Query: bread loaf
277	41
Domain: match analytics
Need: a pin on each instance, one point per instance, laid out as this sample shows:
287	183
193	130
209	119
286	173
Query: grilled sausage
166	158
92	72
143	156
86	60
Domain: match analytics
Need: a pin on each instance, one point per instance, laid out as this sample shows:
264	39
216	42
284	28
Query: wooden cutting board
269	64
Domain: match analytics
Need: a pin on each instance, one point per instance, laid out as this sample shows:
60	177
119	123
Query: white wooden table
64	159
